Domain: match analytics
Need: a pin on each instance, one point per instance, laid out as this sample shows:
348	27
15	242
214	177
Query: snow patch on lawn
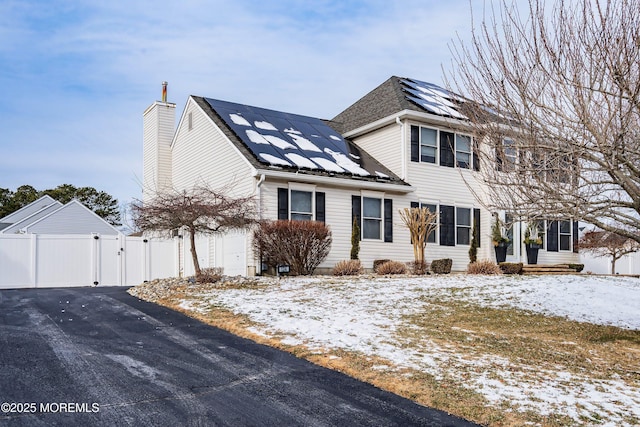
363	314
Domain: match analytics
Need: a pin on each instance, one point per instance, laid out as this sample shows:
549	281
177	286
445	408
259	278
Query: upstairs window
506	156
428	145
463	151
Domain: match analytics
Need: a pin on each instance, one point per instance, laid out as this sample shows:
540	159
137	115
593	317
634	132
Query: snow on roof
283	139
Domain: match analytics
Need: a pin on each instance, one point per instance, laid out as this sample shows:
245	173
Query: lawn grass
516	339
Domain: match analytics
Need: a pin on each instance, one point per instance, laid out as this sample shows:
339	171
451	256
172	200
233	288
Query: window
301	205
428	145
506	156
431	238
463	151
565	235
508	222
371	218
463	226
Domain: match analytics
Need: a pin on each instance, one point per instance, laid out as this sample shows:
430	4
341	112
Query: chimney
158	130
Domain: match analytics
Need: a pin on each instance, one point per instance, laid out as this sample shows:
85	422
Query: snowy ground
363	314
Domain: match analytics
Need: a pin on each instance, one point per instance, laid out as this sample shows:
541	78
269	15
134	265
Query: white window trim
372	195
470	223
309	188
470	152
570	234
455	134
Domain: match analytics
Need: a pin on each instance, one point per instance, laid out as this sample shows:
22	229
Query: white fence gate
38	260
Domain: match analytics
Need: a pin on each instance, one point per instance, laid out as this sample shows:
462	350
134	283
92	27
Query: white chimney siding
158	128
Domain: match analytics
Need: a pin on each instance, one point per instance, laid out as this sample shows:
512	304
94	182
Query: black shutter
356	212
575	236
499	155
415	144
388	220
476	224
552	237
447	226
320	211
283	203
476	157
447	157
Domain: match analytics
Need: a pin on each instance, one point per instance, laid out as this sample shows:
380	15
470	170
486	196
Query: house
48	216
404	144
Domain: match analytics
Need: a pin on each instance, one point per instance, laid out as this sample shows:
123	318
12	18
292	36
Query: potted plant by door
500	242
533	243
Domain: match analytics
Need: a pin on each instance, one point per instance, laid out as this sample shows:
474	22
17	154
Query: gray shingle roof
395	95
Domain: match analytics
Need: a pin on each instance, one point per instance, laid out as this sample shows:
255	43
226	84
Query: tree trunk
194	255
613	265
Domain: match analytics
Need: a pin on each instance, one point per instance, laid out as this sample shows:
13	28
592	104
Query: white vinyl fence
38	260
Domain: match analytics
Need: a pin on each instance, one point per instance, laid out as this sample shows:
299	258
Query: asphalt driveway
100	357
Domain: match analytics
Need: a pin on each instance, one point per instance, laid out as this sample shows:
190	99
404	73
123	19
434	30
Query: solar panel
290	140
433	98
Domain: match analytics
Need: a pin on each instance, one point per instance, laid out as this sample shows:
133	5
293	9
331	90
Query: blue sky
76	75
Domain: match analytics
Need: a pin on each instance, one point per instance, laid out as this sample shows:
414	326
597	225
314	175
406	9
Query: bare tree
199	210
607	244
421	222
556	98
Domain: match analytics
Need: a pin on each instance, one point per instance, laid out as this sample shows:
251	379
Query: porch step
535	269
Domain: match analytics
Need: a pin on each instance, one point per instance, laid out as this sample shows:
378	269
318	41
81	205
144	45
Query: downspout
259	195
403	146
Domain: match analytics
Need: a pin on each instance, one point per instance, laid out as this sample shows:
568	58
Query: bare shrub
392	267
303	245
209	275
419	268
378	262
483	267
441	266
350	267
511	267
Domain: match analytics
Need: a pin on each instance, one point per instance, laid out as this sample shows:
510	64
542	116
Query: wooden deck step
534	269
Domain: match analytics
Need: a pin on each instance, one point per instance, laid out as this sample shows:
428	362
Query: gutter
334	181
407	114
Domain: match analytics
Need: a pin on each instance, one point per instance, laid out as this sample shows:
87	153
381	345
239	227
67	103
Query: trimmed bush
441	266
392	267
419	268
483	267
350	267
511	267
577	267
209	275
378	262
303	245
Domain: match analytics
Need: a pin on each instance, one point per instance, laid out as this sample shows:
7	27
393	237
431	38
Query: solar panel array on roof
433	98
290	140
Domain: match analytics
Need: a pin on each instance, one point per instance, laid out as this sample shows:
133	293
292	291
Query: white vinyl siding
204	155
384	145
158	131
